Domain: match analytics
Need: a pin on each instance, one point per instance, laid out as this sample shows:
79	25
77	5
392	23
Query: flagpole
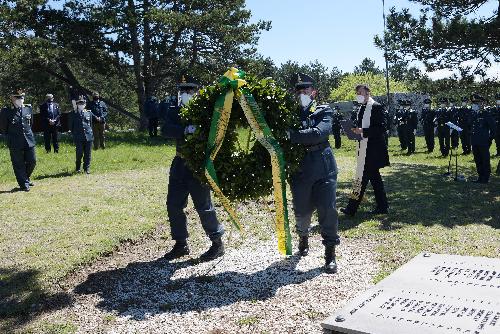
386	61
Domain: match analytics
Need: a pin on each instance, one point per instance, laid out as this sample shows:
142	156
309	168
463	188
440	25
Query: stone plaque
432	293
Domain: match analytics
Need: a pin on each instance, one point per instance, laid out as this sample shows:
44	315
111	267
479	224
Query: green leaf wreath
243	165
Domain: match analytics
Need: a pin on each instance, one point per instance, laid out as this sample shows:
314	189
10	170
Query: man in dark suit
337	119
51	121
411	126
464	121
182	183
16	123
372	153
81	129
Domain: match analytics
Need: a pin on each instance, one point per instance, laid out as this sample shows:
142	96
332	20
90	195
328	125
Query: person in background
337	118
443	131
99	112
151	109
464	121
483	129
81	129
51	122
427	119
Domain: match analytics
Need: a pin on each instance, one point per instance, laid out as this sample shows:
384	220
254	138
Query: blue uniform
314	186
427	120
483	129
182	183
151	109
16	124
442	117
81	129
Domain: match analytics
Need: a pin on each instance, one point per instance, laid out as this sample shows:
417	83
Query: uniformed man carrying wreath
314	186
15	122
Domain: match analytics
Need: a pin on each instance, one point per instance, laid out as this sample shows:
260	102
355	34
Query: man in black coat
337	118
99	112
51	122
151	109
16	123
411	126
427	120
401	120
483	130
81	129
372	153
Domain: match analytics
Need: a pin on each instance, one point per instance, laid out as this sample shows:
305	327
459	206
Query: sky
336	32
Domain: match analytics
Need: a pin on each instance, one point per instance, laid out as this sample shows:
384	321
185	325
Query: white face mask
360	99
185	97
464	104
80	107
451	105
475	107
305	100
426	106
443	105
18	103
498	102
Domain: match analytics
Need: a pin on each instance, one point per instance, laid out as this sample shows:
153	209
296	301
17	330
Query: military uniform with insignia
495	113
81	128
337	118
443	131
16	122
483	129
182	183
314	185
99	112
427	120
464	121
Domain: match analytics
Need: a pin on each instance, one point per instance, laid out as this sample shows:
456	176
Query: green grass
69	220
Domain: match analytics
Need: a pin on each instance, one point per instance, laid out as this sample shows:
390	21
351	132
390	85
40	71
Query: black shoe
180	249
87	171
78	170
347	212
26	188
47	151
304	246
216	250
330	263
379	211
56	151
31	183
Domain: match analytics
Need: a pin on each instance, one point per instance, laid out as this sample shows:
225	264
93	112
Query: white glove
288	134
189	129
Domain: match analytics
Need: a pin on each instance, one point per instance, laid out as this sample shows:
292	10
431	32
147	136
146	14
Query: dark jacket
16	124
316	126
172	127
80	124
442	117
377	155
427	117
46	115
151	109
483	128
98	109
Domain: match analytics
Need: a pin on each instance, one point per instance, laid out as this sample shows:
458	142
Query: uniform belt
317	147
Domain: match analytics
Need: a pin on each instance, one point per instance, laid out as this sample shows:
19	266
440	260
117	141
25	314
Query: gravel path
251	290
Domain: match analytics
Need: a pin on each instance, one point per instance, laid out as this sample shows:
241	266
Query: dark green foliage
244	171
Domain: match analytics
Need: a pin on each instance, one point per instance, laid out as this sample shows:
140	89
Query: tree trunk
132	17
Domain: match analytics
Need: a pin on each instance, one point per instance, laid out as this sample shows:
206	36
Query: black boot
304	246
180	249
215	251
330	264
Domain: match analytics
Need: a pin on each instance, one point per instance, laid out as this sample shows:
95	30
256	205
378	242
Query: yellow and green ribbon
233	84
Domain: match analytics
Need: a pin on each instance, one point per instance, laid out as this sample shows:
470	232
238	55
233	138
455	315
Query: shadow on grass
419	194
22	298
147	288
54	176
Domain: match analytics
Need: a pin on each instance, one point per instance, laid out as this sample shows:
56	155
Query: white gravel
252	289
